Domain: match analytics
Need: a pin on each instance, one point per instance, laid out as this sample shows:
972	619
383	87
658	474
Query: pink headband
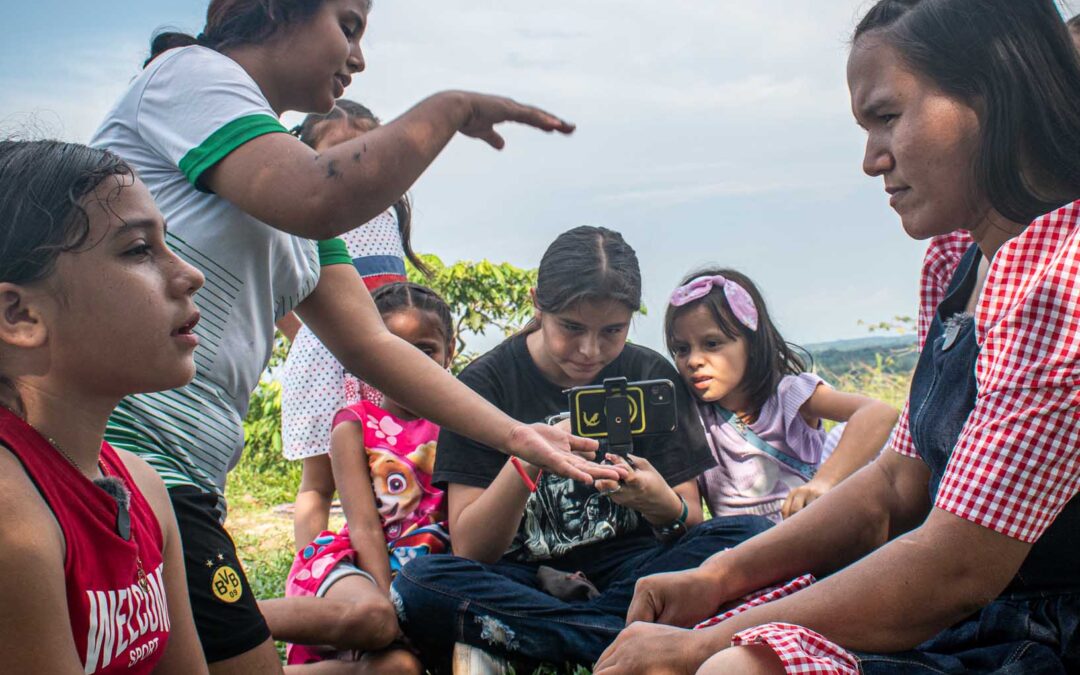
742	305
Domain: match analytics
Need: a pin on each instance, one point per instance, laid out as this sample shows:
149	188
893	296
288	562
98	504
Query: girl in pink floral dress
382	458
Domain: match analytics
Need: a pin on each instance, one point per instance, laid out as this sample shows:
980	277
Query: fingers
582	445
785	510
541	119
794	503
642	607
492	138
602	473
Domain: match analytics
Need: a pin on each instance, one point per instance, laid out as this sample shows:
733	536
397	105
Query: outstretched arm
341	313
287	185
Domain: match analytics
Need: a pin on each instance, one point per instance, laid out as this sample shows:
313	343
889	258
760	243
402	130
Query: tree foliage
482	296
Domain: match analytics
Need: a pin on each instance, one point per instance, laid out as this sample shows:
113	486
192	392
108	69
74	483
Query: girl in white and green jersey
246	202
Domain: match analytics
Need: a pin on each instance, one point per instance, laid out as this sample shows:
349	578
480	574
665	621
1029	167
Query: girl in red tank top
93	306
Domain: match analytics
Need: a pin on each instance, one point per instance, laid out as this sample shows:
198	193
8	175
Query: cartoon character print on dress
399	493
401	457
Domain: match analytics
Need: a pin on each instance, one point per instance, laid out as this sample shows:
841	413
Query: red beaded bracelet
529	482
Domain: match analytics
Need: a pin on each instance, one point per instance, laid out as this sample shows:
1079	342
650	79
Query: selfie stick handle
617	411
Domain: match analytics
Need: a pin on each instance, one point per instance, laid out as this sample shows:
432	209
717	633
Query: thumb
492	138
642	608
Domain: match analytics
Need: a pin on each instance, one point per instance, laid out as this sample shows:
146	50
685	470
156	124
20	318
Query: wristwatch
676	528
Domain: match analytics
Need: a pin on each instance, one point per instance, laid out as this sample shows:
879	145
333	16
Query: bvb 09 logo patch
225	583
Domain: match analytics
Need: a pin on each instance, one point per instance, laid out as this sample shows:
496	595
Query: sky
709	131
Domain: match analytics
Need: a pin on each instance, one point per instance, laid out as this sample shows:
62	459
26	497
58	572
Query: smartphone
652	409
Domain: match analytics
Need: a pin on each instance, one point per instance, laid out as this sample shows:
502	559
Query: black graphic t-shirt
563	515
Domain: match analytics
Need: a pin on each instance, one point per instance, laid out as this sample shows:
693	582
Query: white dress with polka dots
314	385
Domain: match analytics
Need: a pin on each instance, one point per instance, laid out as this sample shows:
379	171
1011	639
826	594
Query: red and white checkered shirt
1017	460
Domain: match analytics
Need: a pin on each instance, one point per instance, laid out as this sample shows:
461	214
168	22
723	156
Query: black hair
768	356
232	23
41	186
315	126
587	263
404	294
1015	64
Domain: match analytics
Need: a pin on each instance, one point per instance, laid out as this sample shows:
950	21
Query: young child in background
314	385
762	412
383	458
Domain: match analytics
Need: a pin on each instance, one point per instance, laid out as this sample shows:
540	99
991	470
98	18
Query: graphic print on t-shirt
563	514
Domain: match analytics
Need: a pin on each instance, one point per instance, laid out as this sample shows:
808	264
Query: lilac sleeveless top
746	480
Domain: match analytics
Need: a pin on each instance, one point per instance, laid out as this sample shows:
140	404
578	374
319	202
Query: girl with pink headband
762	411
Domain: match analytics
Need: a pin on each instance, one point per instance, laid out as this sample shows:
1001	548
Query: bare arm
287	185
878	503
869	423
183	653
358	501
341	313
35	633
289	326
483	521
313	500
937	575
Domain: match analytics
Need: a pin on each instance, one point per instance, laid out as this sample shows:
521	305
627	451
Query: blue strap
800	467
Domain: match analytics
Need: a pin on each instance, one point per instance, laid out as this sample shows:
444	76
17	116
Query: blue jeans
1022	634
443	599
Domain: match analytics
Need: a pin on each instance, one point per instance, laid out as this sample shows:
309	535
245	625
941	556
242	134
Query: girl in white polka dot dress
314	385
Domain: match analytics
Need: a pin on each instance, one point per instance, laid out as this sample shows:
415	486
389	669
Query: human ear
20	320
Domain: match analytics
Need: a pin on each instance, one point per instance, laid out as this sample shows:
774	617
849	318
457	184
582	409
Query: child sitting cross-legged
382	458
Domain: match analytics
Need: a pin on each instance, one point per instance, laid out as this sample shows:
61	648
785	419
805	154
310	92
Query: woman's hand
643	490
683	598
555	451
800	497
652	649
485	111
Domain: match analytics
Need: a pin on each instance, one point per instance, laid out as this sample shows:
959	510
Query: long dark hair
232	23
42	184
587	263
316	125
402	294
1015	64
768	356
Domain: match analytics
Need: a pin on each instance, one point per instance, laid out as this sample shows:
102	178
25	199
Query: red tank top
118	626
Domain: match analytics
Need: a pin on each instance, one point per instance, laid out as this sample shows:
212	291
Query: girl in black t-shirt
508	520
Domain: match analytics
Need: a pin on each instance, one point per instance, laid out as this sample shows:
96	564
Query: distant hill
837	358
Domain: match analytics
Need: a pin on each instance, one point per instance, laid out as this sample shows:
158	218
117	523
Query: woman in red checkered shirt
958	550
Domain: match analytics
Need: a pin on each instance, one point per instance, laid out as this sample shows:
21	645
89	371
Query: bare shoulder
29	525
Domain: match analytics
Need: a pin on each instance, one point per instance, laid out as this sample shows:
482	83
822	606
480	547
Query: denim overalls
1032	626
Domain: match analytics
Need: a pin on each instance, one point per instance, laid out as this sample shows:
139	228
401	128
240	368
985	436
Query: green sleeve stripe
333	252
225	140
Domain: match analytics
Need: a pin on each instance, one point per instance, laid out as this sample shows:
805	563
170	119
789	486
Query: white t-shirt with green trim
185	112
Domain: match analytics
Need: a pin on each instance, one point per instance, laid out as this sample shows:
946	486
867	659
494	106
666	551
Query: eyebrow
873	106
138	224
